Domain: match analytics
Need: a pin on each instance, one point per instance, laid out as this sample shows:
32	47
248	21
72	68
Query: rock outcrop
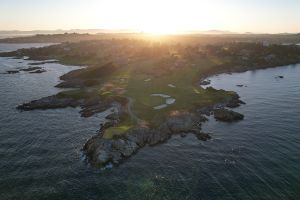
39	71
12	71
50	102
234	102
101	151
30	69
225	115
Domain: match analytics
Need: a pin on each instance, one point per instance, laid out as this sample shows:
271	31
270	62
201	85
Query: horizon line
123	30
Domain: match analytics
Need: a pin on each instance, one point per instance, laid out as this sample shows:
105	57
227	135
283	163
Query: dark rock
39	71
182	123
143	135
44	62
227	115
92	101
107	125
125	147
139	135
50	102
201	119
13	71
30	69
113	116
89	106
101	151
202	136
71	84
234	101
205	111
157	137
89	111
183	135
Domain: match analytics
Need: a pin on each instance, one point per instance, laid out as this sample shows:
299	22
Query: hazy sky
152	15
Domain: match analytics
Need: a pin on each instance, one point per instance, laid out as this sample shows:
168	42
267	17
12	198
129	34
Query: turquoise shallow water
257	158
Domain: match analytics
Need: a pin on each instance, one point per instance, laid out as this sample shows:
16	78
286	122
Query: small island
151	90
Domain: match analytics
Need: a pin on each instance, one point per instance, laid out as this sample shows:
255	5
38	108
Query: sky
161	16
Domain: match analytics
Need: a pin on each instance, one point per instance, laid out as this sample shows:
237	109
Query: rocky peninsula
133	77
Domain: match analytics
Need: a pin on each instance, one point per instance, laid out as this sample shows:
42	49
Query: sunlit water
258	158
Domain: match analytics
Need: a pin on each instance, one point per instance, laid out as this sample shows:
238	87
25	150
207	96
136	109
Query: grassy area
74	94
139	86
130	83
126	123
116	131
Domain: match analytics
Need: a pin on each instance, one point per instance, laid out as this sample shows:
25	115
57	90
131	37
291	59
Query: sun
156	16
156	28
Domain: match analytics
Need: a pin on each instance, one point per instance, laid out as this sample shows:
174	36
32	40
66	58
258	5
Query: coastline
233	149
116	150
102	151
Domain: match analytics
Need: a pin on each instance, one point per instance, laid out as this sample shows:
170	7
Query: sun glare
162	17
158	17
157	28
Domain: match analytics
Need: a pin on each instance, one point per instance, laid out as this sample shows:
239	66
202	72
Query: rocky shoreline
89	106
101	151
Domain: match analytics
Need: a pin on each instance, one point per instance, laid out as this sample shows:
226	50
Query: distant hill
213	32
17	33
204	38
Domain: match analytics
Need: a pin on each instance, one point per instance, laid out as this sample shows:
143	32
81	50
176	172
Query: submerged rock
203	136
227	115
39	71
12	71
44	62
30	69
